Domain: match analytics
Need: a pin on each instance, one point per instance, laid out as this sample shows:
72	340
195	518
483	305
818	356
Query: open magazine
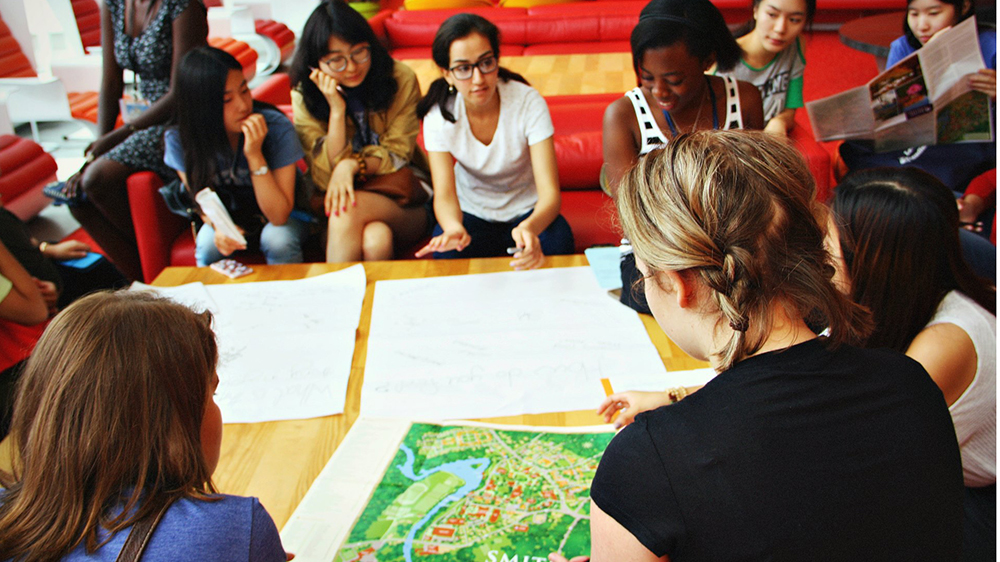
921	100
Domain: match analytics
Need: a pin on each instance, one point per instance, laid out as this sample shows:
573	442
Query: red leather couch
24	170
165	239
578	27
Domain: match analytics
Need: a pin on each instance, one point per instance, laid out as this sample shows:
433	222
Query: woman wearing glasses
502	193
355	115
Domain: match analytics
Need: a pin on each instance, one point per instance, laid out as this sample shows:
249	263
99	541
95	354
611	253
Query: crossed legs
374	229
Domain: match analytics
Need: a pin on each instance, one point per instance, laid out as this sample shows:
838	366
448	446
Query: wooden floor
556	75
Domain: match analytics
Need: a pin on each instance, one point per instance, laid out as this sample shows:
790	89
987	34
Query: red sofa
579	27
24	170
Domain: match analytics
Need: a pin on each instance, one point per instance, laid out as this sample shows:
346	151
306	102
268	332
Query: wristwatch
263	170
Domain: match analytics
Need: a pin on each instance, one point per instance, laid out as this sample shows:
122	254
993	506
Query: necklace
701	104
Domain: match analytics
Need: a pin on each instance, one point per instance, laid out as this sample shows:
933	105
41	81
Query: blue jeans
491	239
979	253
280	244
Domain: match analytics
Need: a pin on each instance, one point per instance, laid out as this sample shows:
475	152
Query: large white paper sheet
285	347
499	344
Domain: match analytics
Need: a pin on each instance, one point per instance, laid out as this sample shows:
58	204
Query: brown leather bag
138	536
402	186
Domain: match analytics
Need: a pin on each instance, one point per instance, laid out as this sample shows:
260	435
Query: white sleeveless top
653	137
975	411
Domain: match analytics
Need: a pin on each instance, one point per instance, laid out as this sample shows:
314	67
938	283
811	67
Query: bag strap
138	537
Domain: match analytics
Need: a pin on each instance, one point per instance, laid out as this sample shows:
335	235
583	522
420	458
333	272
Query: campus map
482	494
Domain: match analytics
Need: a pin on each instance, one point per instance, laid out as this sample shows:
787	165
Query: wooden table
873	34
556	75
278	461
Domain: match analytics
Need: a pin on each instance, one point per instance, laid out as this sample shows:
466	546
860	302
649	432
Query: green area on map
480	494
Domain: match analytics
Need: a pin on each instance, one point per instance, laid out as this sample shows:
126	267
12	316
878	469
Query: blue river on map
469	470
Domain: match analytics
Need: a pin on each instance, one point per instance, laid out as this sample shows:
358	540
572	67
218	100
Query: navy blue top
232	179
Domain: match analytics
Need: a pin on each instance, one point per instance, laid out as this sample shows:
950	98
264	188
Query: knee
279	238
103	178
376	241
345	224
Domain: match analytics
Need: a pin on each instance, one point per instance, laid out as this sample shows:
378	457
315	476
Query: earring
451	89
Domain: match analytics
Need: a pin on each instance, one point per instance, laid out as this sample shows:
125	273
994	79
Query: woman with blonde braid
803	447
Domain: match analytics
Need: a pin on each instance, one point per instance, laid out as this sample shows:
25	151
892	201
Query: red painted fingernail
337	214
345	208
354	204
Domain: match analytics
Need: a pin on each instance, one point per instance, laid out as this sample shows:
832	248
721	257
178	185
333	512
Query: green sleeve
794	99
5	286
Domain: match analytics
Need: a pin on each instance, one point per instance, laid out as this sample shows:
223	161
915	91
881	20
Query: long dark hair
899	237
751	23
454	28
334	18
200	89
959	17
698	24
106	415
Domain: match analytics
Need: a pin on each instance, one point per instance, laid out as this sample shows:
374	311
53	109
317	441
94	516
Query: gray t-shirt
779	81
494	182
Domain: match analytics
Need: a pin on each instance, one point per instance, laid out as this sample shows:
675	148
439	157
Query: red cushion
88	21
572	48
579	157
25	166
591	214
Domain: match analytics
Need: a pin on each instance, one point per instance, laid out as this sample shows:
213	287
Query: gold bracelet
676	394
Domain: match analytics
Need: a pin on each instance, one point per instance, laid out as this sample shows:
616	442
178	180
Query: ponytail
439	93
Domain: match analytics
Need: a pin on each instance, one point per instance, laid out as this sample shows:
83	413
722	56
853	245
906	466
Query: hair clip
740	326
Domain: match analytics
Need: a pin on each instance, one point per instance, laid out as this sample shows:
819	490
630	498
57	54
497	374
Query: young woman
245	151
488	136
896	236
111	436
774	58
149	38
803	447
673	45
355	113
955	165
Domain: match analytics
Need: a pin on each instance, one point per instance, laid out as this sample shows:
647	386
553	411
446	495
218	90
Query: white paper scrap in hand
212	206
285	347
497	344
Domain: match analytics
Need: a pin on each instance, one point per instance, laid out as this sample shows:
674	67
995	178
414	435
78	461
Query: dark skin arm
751	106
190	30
620	141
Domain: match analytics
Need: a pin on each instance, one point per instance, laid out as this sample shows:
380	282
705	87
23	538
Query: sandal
57	192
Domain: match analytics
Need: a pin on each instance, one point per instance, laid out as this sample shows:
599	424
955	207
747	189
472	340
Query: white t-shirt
975	411
495	181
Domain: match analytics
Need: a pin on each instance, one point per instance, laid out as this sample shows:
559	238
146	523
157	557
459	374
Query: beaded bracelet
362	168
676	394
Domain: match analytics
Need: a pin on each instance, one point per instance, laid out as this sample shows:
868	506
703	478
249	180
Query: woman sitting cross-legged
355	113
489	139
803	447
116	433
246	151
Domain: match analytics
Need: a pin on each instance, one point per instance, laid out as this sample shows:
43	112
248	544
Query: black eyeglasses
338	63
464	71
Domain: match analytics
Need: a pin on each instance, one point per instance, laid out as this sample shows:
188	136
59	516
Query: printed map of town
462	493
